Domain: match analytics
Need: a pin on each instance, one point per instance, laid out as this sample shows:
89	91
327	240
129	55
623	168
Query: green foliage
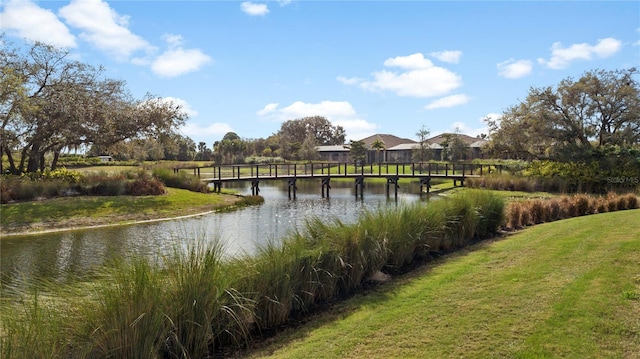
54	102
180	179
358	152
262	159
58	174
145	186
198	301
571	121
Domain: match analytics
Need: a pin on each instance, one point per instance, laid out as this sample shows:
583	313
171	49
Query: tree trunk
33	164
12	164
41	160
56	156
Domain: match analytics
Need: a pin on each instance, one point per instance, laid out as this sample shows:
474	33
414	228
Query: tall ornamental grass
526	213
196	302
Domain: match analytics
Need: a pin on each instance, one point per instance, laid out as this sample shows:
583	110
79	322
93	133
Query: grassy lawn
82	211
564	289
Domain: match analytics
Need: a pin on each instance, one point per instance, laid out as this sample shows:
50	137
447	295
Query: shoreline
79	228
71	224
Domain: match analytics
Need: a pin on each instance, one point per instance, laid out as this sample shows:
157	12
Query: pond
67	255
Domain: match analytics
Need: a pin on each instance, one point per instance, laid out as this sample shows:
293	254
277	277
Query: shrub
553	210
514	216
107	187
632	201
537	211
612	203
525	216
580	205
622	203
601	206
181	180
145	187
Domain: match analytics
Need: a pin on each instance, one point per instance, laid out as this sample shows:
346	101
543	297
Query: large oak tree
315	129
572	121
49	102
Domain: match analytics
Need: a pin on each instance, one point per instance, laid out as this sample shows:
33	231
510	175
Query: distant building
474	143
105	158
397	149
333	153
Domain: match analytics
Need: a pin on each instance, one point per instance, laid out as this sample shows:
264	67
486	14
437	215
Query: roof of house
443	137
394	143
388	140
403	147
332	148
479	143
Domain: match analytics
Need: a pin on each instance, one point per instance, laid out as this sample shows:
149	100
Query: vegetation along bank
197	303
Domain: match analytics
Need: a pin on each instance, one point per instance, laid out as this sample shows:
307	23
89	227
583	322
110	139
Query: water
64	256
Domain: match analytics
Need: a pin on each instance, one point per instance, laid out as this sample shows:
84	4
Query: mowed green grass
568	289
98	210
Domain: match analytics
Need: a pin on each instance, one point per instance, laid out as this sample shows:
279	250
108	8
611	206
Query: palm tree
378	145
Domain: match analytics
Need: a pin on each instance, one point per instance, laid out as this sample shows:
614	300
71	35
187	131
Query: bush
181	180
536	211
145	187
632	201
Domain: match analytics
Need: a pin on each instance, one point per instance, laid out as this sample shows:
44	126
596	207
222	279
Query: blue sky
370	66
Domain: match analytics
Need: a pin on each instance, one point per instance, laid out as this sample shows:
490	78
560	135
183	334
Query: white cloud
411	62
492	116
254	9
465	129
269	108
447	56
515	69
177	61
284	2
29	21
103	27
420	78
183	104
562	57
198	131
449	101
339	113
173	40
349	80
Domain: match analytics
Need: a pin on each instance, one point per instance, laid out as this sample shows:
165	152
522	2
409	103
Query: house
474	143
399	150
105	158
333	153
389	142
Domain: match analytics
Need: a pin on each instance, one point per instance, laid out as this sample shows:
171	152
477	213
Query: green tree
378	145
570	121
358	151
308	151
231	147
293	133
454	148
203	153
421	152
186	148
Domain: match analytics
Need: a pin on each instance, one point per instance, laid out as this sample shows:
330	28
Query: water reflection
66	255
